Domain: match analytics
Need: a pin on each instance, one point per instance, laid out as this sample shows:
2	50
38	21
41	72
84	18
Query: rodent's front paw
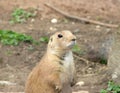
58	88
73	82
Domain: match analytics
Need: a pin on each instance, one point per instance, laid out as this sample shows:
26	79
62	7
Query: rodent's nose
73	39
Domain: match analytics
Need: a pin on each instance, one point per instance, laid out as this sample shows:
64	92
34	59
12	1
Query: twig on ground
80	58
80	18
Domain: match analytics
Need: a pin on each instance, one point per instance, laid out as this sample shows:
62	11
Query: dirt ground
16	62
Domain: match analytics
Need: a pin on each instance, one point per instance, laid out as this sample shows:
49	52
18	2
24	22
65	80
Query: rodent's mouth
71	44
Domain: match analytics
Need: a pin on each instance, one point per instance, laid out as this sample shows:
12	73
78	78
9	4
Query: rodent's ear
50	44
51	39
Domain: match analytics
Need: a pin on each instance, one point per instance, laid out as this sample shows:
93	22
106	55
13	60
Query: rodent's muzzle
72	43
73	39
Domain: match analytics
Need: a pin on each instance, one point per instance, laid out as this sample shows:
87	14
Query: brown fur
53	74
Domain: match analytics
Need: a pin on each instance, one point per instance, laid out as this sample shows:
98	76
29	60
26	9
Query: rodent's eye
60	36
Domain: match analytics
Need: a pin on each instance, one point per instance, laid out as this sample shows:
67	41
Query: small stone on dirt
32	20
54	20
81	83
6	83
98	26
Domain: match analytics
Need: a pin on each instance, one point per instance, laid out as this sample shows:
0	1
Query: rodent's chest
67	68
68	60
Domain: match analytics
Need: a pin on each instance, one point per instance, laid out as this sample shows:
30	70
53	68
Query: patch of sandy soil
16	62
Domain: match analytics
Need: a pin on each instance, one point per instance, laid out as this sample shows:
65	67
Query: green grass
98	18
103	60
77	50
112	88
8	37
20	15
65	20
44	39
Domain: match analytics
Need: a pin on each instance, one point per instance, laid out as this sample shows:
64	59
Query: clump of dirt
16	62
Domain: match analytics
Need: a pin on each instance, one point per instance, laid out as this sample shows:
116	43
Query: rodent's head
63	40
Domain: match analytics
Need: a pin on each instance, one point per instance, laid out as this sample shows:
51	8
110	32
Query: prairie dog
55	72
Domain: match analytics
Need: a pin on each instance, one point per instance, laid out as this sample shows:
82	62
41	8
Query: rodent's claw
58	88
73	82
